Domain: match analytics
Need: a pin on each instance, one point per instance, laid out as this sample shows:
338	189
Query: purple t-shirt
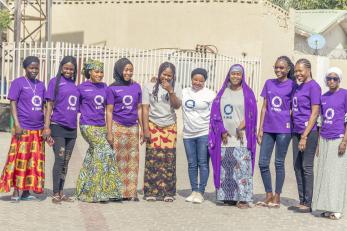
334	109
278	97
66	106
125	100
92	103
305	95
29	105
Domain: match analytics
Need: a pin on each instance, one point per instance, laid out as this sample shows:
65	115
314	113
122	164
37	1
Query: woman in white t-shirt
196	104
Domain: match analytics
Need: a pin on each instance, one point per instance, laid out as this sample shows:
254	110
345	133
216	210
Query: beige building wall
257	29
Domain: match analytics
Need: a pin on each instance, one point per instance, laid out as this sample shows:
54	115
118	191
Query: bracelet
170	93
303	137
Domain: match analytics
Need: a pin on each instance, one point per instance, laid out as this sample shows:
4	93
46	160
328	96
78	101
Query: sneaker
198	199
191	197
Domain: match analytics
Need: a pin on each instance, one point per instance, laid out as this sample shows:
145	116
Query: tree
5	19
312	4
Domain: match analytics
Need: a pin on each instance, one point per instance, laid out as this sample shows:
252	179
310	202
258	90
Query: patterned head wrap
92	64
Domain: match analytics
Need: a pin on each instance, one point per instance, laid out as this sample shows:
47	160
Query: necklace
32	89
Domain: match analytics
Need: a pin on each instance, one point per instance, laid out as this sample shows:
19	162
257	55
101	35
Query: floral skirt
160	162
25	165
99	178
126	145
236	175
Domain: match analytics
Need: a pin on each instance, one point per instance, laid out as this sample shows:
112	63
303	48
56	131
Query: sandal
263	203
335	216
151	199
242	205
66	198
56	200
168	199
273	205
15	199
28	198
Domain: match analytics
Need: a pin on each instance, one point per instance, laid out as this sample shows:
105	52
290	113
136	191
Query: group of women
116	119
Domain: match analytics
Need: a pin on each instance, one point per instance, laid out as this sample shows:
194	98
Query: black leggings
62	151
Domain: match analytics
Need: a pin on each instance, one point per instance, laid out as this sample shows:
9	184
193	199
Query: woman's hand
146	136
166	86
342	148
239	135
260	137
225	136
302	144
46	133
317	151
141	136
18	131
109	138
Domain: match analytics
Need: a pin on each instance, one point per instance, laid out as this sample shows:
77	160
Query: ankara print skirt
236	175
25	165
126	147
99	178
160	162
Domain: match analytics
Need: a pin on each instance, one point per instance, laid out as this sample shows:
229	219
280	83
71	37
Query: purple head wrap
217	127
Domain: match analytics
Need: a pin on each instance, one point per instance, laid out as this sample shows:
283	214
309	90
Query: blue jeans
198	159
282	142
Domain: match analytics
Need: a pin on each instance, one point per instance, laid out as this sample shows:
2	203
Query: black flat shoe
304	210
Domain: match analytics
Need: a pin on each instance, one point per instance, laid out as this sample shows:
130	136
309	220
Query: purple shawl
217	126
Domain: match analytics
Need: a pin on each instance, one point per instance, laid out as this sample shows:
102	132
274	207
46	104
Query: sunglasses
335	79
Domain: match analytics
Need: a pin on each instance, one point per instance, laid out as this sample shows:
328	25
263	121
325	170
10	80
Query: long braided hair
290	64
162	68
66	59
306	63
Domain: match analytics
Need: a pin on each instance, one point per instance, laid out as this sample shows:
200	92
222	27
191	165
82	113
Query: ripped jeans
62	151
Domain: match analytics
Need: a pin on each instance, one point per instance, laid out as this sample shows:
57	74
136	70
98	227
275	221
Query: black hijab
118	72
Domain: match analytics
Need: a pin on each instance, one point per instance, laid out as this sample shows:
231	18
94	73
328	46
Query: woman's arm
145	122
310	125
175	102
17	128
46	130
261	122
109	136
139	112
343	144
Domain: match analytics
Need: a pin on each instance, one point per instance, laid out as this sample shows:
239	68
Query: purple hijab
217	127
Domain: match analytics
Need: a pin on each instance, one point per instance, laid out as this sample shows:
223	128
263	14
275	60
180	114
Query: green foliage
5	19
312	4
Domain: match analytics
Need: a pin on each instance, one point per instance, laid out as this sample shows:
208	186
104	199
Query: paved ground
179	215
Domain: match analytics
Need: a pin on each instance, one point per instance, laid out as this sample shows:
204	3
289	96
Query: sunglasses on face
335	79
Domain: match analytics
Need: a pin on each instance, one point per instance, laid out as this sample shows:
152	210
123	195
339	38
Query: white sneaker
191	197
198	199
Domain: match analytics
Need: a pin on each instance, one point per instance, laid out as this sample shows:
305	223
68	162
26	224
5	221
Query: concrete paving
153	216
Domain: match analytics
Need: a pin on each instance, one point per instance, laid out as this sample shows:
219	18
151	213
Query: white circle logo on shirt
99	100
36	101
295	102
276	101
228	109
190	103
72	100
329	113
127	100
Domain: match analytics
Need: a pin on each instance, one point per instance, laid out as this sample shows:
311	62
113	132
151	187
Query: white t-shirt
196	108
160	112
233	112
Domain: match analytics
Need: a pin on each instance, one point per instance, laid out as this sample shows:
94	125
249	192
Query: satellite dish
316	42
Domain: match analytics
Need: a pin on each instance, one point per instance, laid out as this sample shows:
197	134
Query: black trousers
62	148
303	166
